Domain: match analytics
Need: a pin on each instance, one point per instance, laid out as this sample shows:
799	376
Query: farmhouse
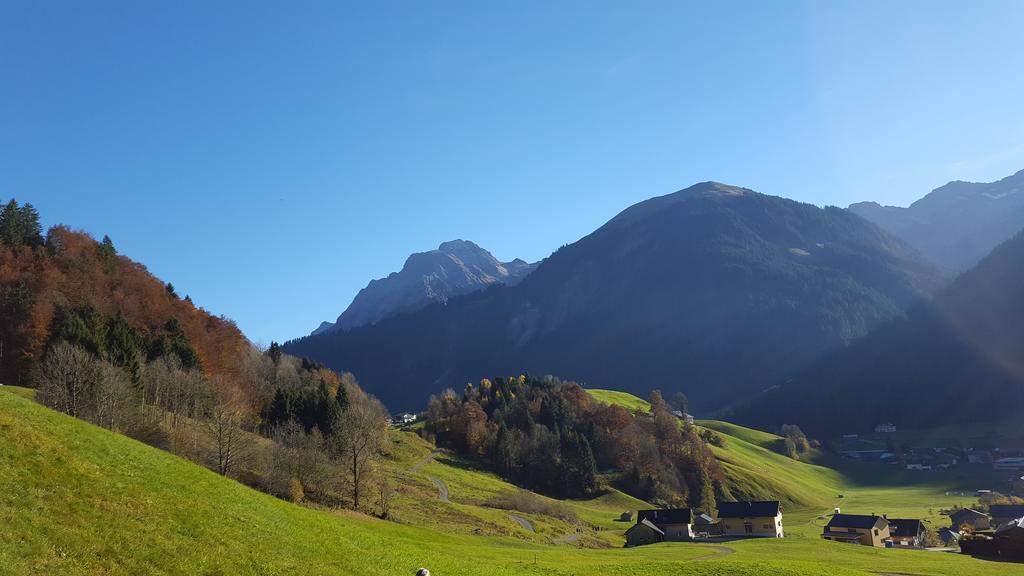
1003	513
966	516
671	524
857	529
906	532
762	518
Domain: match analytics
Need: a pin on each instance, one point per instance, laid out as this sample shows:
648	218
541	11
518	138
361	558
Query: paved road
442	488
522	522
566	539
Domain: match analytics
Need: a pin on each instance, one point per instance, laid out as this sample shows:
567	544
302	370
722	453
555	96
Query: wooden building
661	525
906	532
968	517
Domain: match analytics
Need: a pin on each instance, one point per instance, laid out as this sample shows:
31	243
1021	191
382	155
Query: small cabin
906	532
661	525
968	517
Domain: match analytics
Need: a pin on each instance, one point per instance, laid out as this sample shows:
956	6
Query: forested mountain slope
957	359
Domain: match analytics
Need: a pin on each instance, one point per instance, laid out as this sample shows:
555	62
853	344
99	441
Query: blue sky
270	158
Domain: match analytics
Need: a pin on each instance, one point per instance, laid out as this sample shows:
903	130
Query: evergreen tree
107	255
274	352
19	226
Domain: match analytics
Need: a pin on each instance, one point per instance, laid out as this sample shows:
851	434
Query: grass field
76	499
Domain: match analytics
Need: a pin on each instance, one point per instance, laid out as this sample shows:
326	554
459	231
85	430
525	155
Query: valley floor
76	499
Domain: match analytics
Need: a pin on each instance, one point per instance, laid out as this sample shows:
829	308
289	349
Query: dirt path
424	461
566	539
442	488
522	522
719	552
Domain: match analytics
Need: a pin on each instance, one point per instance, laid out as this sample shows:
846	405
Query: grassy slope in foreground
76	499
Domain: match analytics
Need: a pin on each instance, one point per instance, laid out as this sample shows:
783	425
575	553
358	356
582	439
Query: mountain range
457	267
715	290
958	224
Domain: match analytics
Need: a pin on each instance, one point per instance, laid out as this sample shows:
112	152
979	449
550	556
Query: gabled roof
1006	510
756	509
666	516
1017	524
905	527
646	523
948	534
704	519
967	513
855	521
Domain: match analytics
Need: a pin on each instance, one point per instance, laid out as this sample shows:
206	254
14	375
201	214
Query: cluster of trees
794	442
550	436
67	281
103	340
19	226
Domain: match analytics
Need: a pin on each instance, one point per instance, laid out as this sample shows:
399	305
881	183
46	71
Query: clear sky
270	158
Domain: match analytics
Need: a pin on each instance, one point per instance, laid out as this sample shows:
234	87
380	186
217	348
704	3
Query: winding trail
719	552
522	522
442	488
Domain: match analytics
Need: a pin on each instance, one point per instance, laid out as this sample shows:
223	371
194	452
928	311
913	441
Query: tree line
103	340
551	436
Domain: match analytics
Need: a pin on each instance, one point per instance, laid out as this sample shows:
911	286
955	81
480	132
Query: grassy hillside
76	499
624	399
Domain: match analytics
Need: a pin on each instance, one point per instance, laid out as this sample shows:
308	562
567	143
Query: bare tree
231	443
363	432
384	490
67	379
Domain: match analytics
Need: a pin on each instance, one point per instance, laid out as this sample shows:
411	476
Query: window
876	531
768	526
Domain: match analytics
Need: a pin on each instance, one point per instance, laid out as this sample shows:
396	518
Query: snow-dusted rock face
457	267
958	224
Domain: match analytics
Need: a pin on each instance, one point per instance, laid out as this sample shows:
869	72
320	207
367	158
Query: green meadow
77	499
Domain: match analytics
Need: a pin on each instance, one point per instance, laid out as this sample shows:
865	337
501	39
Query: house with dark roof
644	532
968	517
668	524
857	529
906	532
756	518
1003	513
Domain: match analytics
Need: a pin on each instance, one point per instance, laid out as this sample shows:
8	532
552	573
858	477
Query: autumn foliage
72	271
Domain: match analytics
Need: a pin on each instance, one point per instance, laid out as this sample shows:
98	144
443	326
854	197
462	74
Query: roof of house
948	534
1015	524
907	527
646	523
666	516
1006	510
748	509
704	519
854	521
967	513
